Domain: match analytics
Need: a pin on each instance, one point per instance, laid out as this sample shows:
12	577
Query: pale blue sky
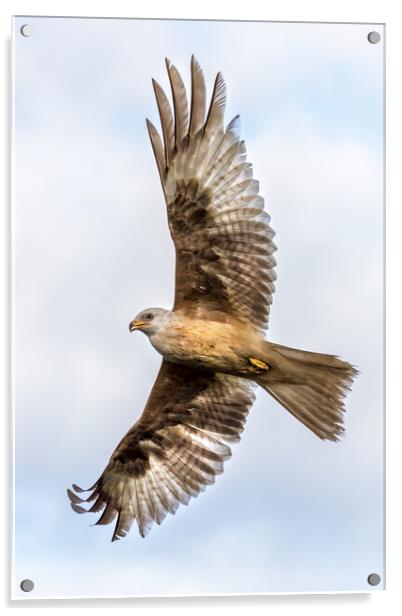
92	248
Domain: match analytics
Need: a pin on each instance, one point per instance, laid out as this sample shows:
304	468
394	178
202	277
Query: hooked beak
136	324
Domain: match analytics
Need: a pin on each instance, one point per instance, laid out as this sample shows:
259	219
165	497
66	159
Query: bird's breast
208	345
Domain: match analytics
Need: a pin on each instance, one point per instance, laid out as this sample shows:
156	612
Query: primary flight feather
212	341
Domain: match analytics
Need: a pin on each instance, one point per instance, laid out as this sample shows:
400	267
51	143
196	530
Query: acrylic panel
292	512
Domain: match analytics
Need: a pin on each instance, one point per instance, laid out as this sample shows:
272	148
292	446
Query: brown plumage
212	342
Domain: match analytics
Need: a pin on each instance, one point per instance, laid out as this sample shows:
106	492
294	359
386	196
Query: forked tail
311	386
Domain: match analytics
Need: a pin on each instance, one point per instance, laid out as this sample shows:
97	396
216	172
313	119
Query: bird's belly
207	346
195	352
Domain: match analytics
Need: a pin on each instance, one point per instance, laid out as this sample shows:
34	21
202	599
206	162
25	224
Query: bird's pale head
149	321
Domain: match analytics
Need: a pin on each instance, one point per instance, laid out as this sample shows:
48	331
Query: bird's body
217	345
213	340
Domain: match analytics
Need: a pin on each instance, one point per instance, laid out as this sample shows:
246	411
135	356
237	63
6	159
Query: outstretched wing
173	451
216	218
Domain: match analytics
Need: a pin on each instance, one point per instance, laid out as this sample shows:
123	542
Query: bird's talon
257	365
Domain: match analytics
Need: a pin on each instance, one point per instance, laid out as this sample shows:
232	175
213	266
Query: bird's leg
257	365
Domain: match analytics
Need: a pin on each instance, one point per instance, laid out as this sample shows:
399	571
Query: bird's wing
216	218
173	451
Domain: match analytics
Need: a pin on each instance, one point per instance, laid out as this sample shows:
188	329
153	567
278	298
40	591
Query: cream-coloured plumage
212	342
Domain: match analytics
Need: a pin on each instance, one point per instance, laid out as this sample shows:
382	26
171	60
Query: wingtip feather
73	497
77	508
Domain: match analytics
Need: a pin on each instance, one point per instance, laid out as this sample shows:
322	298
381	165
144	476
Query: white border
388	601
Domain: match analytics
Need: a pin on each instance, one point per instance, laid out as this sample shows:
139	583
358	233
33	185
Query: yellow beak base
136	324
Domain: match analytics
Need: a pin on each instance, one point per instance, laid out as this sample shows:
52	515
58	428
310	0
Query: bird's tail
311	386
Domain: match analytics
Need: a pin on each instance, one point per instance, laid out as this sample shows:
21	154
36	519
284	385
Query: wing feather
180	104
158	150
108	514
215	213
214	121
173	452
165	114
198	98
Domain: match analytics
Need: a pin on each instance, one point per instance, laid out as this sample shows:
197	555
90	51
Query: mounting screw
26	30
374	579
27	585
374	37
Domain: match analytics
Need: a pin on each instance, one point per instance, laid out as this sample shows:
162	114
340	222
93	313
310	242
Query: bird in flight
212	342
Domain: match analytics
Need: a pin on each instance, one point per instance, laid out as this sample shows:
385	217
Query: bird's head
149	321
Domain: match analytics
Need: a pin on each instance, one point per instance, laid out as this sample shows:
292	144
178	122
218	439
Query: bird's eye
149	316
